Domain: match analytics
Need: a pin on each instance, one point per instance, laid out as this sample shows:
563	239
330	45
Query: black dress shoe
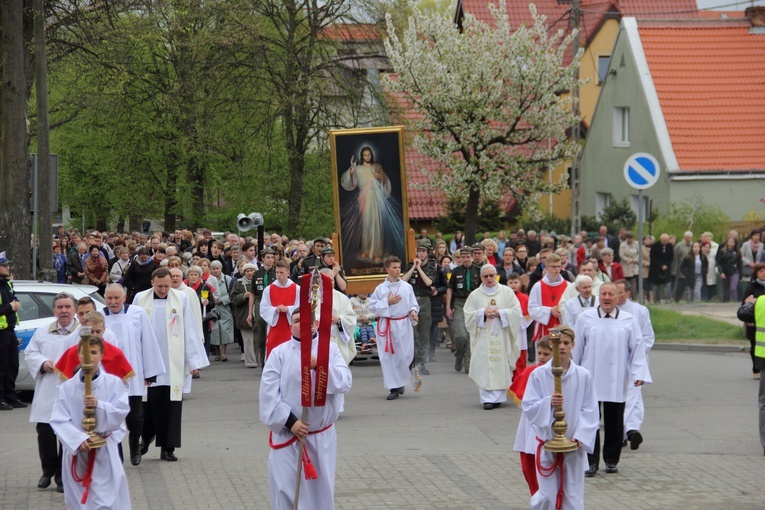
135	459
17	404
168	456
591	471
401	390
635	438
60	488
488	406
611	468
44	482
144	448
458	365
5	406
497	404
393	394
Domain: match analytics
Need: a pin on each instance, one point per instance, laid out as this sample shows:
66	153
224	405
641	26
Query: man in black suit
659	270
611	242
76	263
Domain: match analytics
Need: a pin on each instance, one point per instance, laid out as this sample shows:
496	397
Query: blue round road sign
641	170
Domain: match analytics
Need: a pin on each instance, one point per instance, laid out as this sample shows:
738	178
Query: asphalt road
438	448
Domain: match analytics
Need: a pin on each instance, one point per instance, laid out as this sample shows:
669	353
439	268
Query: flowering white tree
490	98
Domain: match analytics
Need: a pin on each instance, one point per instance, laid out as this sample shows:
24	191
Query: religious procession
497	261
551	326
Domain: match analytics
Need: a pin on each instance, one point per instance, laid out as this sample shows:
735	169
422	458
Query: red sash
550	297
322	351
518	387
113	361
282	332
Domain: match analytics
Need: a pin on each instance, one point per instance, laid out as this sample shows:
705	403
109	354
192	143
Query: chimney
756	15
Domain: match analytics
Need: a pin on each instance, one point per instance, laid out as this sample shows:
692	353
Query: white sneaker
242	358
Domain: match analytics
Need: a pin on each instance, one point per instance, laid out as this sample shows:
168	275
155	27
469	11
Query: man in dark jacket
138	276
659	271
76	263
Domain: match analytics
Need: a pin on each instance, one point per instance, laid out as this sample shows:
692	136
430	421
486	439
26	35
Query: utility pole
576	213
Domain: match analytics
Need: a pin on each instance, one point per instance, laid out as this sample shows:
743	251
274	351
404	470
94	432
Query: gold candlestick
89	421
560	443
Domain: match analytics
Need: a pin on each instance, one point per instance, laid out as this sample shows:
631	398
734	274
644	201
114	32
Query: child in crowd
525	440
93	478
365	321
514	282
560	474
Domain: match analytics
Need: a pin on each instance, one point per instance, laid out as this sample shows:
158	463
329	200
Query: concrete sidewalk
438	449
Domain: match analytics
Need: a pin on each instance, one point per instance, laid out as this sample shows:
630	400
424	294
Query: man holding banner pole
300	398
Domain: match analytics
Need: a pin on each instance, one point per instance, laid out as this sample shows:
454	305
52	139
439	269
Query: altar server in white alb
581	407
544	298
108	486
281	410
493	319
135	337
47	345
609	344
634	411
395	305
276	305
343	321
182	349
582	301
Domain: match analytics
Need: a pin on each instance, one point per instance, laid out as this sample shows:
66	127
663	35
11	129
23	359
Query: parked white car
36	300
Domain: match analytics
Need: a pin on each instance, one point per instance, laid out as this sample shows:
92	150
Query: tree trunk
171	202
15	220
297	173
44	205
295	135
197	179
471	215
134	223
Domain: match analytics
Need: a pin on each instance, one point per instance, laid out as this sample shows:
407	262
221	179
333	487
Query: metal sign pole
641	219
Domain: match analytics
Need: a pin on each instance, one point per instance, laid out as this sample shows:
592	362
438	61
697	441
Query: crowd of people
177	300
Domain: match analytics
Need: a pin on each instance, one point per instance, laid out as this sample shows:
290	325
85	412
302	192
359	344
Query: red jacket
617	273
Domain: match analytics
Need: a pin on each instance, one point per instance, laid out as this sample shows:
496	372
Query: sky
725	5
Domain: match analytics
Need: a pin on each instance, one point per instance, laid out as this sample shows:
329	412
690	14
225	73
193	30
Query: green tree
618	215
488	96
693	214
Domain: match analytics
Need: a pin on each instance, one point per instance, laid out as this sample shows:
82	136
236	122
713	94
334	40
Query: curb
700	348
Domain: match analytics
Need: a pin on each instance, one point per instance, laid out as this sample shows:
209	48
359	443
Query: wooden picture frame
371	204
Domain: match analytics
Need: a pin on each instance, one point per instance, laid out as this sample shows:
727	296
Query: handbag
212	315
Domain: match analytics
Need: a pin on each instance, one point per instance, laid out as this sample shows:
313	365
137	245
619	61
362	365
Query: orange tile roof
722	14
354	32
424	203
558	13
593	13
710	79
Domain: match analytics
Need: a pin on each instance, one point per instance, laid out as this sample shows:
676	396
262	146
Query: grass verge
671	326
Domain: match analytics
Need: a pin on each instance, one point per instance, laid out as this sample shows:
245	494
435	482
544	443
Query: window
635	203
30	309
602	200
603	62
621	126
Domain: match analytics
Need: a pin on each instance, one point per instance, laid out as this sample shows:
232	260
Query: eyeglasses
488	275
